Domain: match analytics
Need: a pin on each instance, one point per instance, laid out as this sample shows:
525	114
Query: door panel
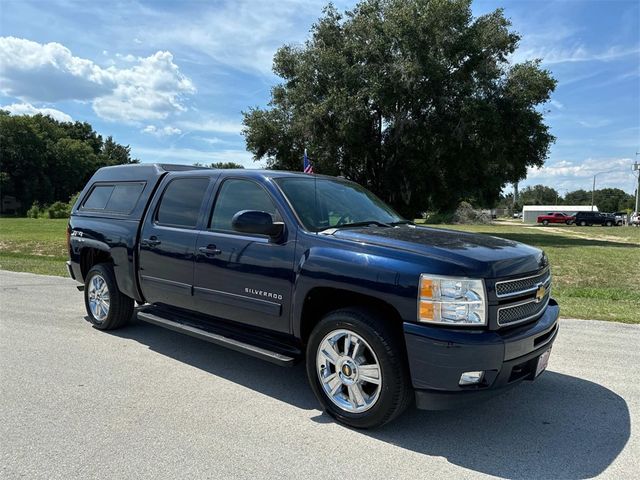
166	268
168	241
249	281
244	278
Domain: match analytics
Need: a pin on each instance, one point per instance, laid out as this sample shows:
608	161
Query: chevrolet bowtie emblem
540	293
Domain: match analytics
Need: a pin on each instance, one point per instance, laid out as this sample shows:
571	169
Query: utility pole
593	190
636	168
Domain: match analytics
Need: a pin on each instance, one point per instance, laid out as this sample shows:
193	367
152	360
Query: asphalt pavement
145	402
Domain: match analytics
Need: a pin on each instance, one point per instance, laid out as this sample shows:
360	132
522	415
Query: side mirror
256	222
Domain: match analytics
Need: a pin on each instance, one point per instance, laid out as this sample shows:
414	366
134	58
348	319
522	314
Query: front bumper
438	356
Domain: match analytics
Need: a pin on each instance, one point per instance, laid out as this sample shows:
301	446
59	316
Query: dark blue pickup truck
287	267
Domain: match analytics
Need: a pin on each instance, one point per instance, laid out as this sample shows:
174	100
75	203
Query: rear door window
181	202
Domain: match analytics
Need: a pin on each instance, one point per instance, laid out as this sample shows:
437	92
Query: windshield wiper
401	222
361	224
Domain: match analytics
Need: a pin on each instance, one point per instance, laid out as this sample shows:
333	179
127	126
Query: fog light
471	378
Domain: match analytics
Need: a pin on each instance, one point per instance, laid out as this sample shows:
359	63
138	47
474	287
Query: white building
530	212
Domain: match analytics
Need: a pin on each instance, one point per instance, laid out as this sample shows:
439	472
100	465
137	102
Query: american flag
308	168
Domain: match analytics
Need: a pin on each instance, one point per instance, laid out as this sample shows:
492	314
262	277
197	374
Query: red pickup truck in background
556	217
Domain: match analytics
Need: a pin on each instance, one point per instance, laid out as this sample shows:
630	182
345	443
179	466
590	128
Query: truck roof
146	171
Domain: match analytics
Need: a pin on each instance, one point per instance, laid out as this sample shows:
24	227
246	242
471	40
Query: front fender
383	278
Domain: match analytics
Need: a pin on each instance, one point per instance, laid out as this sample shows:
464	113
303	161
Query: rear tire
608	224
343	346
583	223
107	307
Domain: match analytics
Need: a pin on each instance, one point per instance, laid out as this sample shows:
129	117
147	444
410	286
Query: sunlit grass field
35	245
596	269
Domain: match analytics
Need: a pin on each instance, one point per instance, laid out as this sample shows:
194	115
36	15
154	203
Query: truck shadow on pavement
558	427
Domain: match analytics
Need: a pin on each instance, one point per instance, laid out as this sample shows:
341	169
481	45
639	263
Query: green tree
113	153
577	197
414	99
226	165
43	160
539	195
613	200
606	199
221	165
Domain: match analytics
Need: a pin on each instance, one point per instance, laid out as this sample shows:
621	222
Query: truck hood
476	255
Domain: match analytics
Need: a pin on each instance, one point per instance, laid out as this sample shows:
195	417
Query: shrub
466	214
35	211
59	210
434	218
73	200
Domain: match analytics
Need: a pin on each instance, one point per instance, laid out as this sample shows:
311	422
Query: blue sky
171	78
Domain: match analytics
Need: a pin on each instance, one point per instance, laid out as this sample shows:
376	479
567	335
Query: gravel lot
145	402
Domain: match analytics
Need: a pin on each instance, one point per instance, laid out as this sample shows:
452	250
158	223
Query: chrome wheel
98	295
349	371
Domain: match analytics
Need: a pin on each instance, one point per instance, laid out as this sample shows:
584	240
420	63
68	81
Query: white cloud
595	122
243	34
211	125
191	155
570	175
28	109
150	88
558	105
553	54
161	131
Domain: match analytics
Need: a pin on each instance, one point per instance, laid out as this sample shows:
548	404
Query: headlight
452	301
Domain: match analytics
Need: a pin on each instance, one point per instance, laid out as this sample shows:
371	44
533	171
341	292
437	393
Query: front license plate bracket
543	362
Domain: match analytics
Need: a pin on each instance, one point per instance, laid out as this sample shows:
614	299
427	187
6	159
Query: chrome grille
521	286
522	311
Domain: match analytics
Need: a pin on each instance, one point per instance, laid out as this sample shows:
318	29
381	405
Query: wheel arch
90	256
319	301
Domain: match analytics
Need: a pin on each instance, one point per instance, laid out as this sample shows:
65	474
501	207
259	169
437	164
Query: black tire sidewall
119	308
395	379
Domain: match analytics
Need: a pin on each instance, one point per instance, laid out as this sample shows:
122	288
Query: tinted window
118	198
181	201
98	197
237	195
124	197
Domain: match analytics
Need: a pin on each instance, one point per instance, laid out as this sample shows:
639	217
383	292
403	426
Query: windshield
323	203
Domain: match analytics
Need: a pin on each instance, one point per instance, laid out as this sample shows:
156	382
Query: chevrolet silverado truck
292	267
556	217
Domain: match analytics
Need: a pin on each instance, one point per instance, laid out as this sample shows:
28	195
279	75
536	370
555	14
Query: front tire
545	222
357	369
107	307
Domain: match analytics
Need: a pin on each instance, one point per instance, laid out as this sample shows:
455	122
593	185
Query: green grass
596	270
35	245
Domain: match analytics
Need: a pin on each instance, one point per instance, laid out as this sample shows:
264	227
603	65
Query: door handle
150	242
209	250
